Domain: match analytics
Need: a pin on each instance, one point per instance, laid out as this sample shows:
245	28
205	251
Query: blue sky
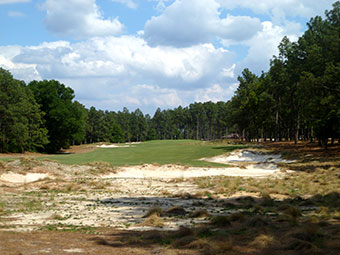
147	54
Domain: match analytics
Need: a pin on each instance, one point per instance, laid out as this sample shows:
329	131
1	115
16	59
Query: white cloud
191	22
79	19
264	45
215	93
292	8
14	1
146	70
129	3
15	14
21	71
150	95
107	72
161	5
130	57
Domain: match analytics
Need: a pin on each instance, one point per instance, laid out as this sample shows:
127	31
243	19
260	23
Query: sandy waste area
46	193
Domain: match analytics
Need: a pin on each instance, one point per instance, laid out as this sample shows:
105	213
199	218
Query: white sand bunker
20	178
245	163
193	172
114	146
248	156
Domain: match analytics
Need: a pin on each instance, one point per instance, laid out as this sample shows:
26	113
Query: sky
147	54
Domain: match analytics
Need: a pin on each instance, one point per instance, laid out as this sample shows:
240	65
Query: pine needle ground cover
183	152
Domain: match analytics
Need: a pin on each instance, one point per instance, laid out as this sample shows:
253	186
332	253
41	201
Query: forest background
297	99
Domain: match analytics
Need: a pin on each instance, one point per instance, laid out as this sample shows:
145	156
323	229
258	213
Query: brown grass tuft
293	211
153	221
258	221
263	241
200	214
183	241
154	211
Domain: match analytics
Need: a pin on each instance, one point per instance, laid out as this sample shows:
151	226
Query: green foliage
21	123
116	134
299	97
64	118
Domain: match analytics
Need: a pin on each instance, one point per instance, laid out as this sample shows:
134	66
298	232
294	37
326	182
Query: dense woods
297	99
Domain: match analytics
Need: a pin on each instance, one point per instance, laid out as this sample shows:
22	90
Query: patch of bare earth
256	206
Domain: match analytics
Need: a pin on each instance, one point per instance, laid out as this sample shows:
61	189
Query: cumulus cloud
264	46
215	93
190	22
79	19
155	95
13	1
110	70
174	61
130	57
21	71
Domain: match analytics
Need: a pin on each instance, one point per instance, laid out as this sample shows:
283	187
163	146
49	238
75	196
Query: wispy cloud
14	1
15	14
129	3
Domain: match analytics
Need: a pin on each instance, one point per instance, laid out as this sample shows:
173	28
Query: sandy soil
126	193
100	210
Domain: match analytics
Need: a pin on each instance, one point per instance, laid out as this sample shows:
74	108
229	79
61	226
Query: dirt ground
49	208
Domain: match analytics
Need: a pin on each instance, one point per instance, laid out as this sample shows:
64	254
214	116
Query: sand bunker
114	146
20	178
193	172
248	156
258	164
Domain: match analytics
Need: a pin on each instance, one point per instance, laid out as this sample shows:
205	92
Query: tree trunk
325	143
297	130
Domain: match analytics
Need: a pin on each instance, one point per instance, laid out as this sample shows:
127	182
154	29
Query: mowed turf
184	152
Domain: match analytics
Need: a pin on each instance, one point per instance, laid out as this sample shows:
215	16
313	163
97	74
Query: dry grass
154	211
99	184
296	214
200	214
263	241
153	221
100	168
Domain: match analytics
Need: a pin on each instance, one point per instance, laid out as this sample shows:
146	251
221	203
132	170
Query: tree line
43	116
297	99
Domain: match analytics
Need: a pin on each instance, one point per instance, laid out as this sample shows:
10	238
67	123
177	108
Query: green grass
184	152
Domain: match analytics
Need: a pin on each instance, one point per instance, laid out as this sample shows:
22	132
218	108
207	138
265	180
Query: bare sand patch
21	178
250	156
176	172
114	146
